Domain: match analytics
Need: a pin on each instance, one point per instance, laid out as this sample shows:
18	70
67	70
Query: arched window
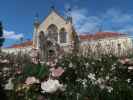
53	32
62	35
41	39
41	36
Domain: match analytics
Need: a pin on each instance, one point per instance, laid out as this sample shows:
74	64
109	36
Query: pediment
53	18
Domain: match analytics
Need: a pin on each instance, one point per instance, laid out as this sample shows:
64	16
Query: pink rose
127	60
124	61
18	72
31	80
51	64
57	72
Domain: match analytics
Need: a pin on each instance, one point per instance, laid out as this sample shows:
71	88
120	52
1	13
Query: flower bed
74	78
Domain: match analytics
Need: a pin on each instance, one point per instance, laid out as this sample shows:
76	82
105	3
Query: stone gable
53	18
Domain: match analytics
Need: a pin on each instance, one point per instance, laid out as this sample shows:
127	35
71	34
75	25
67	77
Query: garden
68	77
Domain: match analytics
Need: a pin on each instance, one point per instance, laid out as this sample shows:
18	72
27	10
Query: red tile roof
25	44
99	35
86	37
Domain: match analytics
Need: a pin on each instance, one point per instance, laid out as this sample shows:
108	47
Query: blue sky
88	16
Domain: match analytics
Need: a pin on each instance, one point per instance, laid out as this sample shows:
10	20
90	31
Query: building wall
17	50
101	46
118	46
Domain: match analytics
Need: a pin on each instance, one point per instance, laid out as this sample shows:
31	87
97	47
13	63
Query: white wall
109	45
16	50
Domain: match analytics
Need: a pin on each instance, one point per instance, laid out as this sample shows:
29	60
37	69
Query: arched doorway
41	39
42	46
52	49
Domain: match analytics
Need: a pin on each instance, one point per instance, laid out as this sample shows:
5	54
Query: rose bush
72	77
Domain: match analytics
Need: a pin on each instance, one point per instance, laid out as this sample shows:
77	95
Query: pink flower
124	61
51	64
127	60
57	72
18	71
31	80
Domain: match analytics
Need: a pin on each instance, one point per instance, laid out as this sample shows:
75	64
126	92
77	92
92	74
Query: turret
72	35
36	22
36	26
69	16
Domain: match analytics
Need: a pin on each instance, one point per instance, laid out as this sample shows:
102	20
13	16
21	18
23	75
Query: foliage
39	71
85	78
103	78
1	35
32	91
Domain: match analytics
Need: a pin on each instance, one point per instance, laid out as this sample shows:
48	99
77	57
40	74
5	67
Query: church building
55	28
56	33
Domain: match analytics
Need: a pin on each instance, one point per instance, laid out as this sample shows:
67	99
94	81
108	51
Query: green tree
2	39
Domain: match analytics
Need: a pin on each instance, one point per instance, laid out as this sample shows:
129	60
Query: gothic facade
53	34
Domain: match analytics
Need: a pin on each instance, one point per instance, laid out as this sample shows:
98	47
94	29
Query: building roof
22	45
56	12
99	35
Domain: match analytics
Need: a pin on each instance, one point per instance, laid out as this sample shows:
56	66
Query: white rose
51	86
70	65
9	85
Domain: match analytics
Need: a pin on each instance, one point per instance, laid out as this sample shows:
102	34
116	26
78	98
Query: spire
52	5
69	11
36	20
36	16
36	26
69	15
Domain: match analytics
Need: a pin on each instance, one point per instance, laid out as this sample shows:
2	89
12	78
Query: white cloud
12	35
83	22
112	20
117	16
127	29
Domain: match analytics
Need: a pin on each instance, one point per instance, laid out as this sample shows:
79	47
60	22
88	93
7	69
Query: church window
41	39
62	35
53	32
41	35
